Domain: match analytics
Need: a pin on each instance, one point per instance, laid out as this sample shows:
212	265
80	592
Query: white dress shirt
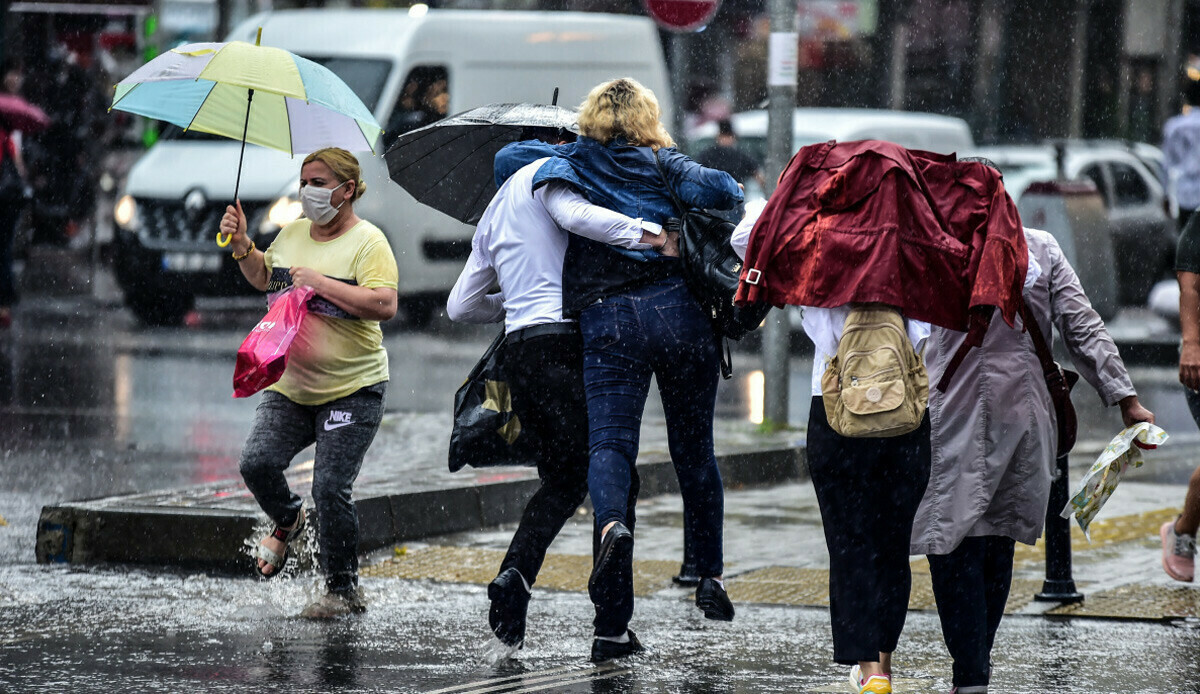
520	244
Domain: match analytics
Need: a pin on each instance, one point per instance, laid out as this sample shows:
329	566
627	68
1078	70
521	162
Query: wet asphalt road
92	404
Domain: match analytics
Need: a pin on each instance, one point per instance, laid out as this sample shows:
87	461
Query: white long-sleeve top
520	244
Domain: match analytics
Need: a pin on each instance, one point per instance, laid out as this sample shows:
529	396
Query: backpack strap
976	330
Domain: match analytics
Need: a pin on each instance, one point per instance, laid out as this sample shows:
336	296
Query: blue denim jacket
623	178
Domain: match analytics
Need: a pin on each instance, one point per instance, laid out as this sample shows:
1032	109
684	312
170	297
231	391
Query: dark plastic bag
487	433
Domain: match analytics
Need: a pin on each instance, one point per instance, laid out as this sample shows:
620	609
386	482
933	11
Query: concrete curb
112	531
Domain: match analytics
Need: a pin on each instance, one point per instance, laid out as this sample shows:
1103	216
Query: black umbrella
449	165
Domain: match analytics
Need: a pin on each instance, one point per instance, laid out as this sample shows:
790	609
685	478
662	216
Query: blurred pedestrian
332	392
1179	536
14	192
1181	152
994	438
519	245
725	155
639	320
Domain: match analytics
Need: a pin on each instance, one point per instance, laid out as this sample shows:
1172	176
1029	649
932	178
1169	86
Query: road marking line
516	680
592	677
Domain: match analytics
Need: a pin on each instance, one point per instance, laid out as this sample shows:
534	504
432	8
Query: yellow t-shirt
334	353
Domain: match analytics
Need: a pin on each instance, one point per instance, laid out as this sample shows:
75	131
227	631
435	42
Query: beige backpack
876	385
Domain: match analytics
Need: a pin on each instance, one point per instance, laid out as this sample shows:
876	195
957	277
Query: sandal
273	560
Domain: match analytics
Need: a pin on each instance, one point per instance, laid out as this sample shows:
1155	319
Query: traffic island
405	493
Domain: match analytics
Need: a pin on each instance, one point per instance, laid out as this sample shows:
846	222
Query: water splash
493	653
303	552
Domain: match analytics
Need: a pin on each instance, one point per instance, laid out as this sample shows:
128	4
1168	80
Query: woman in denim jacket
638	319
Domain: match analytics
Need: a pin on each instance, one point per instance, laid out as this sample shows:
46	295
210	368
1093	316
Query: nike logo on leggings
338	420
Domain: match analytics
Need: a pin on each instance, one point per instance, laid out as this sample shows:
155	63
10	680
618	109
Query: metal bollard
1058	586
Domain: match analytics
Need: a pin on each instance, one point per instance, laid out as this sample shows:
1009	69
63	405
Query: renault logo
194	202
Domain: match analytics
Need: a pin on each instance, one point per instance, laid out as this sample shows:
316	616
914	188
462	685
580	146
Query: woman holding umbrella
332	391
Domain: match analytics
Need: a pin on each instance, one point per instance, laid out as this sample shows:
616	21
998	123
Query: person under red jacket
871	221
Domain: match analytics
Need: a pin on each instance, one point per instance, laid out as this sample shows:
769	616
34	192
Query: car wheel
419	311
160	310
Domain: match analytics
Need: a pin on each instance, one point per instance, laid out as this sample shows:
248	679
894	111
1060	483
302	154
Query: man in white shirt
520	246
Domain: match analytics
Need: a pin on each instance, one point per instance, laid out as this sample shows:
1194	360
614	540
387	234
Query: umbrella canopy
18	114
295	105
449	165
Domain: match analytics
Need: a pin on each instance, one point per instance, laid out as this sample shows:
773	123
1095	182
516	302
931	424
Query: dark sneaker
510	602
603	650
615	558
337	604
712	599
687	576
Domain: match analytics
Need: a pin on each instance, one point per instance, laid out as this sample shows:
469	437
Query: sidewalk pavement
775	555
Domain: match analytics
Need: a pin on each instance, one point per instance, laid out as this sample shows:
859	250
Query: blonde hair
623	108
343	164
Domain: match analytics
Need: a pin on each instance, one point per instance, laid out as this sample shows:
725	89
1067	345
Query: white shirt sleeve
740	239
1033	271
572	212
469	300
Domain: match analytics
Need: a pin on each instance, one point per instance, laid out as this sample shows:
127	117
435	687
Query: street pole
1059	586
781	91
679	83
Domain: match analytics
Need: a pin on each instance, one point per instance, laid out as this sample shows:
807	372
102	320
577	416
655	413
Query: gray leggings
343	430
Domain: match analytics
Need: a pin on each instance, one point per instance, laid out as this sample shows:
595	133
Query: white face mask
315	203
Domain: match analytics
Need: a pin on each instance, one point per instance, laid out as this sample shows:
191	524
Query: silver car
1136	204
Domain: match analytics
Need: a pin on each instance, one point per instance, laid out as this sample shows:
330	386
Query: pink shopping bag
263	355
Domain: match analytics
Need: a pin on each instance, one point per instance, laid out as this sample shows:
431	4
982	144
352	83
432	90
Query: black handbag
712	269
487	432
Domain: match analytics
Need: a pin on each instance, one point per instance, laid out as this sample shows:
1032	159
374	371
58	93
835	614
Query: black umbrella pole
245	128
1059	586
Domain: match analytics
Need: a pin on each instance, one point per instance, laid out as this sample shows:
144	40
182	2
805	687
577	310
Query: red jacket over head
872	221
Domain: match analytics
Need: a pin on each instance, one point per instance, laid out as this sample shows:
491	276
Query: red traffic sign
682	15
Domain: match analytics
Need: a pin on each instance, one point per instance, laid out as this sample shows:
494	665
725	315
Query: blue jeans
657	330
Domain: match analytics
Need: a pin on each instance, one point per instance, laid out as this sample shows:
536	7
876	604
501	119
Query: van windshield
365	76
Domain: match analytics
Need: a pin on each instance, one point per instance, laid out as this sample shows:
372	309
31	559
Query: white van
410	68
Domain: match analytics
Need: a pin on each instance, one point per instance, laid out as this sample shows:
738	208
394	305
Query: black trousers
545	377
971	587
868	490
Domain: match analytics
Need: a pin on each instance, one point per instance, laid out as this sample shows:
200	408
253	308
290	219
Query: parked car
1142	228
927	131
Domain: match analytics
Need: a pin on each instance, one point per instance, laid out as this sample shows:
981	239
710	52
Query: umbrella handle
228	240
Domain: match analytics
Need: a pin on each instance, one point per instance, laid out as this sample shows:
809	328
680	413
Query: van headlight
282	212
125	212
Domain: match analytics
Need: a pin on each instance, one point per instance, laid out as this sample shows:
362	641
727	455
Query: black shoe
687	576
616	557
510	602
711	598
603	650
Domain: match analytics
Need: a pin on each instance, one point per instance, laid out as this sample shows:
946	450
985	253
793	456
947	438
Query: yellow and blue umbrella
258	94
